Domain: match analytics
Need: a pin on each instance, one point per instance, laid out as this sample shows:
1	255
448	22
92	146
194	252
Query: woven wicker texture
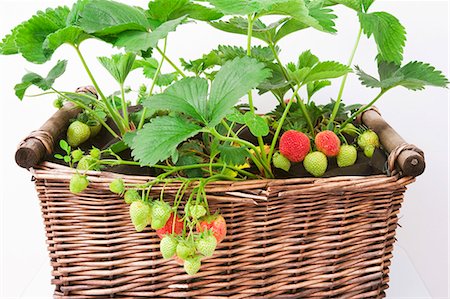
295	238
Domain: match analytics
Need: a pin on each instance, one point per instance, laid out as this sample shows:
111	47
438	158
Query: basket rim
51	170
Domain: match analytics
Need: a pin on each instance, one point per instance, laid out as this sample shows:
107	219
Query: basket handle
409	159
33	149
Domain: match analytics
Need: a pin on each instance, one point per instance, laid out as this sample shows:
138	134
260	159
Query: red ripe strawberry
216	223
294	145
328	143
167	228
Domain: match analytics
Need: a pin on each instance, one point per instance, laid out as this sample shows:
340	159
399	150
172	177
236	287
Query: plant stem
251	20
213	131
179	71
344	80
124	107
300	101
92	112
235	135
169	169
155	76
277	58
280	125
352	117
113	113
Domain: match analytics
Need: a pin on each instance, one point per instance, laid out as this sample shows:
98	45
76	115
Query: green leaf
198	12
74	14
142	41
105	17
366	4
119	65
188	96
157	140
164	10
231	83
389	34
148	65
233	155
30	36
297	9
315	86
324	17
236	116
327	70
166	79
70	35
414	76
299	75
243	7
307	59
239	25
8	44
353	4
43	83
257	124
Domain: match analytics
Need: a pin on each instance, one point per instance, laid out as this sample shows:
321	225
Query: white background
421	258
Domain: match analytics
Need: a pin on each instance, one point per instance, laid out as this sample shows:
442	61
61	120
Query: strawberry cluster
296	147
187	248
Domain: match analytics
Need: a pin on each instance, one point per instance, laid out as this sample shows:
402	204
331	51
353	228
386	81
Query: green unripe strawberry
95	129
117	186
168	246
350	129
87	163
192	265
368	151
77	155
316	163
160	214
95	153
347	155
280	161
77	133
140	214
185	249
78	183
197	211
131	195
368	138
206	244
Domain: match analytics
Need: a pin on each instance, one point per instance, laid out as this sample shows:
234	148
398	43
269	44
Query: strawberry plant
198	124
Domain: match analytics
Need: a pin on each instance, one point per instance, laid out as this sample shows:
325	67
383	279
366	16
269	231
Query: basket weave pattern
295	238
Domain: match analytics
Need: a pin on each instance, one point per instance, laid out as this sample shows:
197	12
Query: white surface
24	261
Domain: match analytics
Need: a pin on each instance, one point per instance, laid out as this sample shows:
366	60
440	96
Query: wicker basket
293	238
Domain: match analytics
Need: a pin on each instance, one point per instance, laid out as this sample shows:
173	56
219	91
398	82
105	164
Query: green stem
305	113
344	80
280	125
235	135
114	114
250	145
155	76
300	101
170	170
251	20
171	63
277	58
124	107
92	112
352	117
